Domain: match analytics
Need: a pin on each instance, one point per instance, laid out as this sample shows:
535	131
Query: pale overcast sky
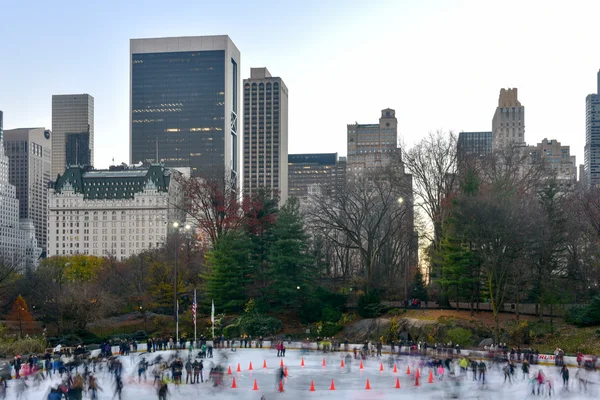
440	64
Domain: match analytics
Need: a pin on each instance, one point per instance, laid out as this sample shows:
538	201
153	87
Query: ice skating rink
349	381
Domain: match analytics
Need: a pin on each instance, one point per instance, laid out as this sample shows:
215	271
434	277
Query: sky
439	64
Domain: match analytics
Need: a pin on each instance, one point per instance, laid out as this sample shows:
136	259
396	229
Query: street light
178	226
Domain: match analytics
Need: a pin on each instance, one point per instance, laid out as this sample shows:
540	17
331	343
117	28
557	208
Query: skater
163	391
482	371
93	387
525	369
506	371
188	372
280	375
564	373
118	387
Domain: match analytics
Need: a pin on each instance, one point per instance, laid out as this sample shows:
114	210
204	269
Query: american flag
194	307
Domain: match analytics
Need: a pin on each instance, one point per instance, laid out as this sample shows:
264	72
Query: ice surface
349	382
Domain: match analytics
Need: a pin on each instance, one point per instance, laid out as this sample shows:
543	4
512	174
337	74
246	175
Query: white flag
212	314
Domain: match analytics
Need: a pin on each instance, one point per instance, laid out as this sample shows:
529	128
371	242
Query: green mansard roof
115	183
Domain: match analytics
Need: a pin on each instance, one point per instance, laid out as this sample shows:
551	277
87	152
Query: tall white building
116	212
508	124
18	246
72	131
265	134
30	153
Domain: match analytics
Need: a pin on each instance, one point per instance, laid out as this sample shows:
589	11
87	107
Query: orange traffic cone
408	370
280	386
368	387
255	385
395	368
381	367
397	383
285	373
265	364
418	374
417	380
430	376
234	385
324	363
332	387
312	386
250	367
342	364
238	368
302	363
361	366
229	370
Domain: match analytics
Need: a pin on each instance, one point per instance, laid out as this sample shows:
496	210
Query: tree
368	218
229	273
20	312
291	268
213	204
432	163
419	291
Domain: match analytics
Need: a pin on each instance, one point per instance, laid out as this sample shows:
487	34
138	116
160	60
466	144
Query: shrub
330	329
27	345
588	315
232	331
459	336
330	314
259	325
369	305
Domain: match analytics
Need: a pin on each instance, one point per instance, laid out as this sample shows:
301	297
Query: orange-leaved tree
20	312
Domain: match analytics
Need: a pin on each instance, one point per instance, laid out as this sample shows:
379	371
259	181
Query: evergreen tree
291	271
230	272
419	291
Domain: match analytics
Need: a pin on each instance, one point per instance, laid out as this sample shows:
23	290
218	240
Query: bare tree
433	165
368	218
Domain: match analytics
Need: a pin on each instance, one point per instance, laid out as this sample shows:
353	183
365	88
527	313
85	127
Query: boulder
486	342
418	330
370	328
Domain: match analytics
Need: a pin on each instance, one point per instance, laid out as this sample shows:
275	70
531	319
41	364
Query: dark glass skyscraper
184	103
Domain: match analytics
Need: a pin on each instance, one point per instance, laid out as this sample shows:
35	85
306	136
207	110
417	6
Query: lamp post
178	227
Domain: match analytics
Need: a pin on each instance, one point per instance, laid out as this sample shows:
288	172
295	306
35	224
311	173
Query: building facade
508	124
116	212
473	144
72	131
591	160
314	175
558	160
18	246
265	134
372	145
184	97
30	165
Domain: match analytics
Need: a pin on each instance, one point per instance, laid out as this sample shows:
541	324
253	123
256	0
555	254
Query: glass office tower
184	104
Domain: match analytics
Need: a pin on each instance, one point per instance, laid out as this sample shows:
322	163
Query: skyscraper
18	246
508	124
591	153
185	94
315	174
30	153
372	145
265	134
473	144
72	131
558	160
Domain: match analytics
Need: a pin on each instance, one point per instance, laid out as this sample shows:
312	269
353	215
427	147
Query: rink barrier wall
544	359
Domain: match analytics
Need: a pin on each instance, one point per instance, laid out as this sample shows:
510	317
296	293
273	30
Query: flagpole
212	318
195	317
